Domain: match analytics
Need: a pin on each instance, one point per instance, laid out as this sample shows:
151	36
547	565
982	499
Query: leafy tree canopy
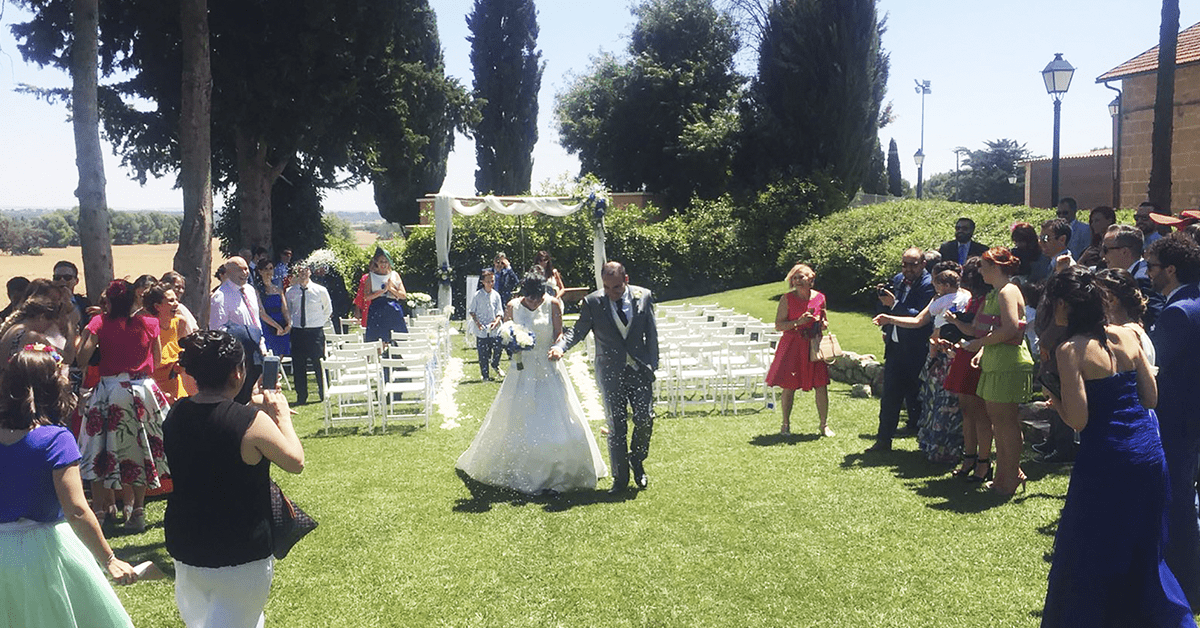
663	118
984	175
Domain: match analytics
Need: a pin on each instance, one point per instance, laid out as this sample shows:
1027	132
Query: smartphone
270	375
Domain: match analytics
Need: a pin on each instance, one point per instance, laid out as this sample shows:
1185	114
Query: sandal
968	466
136	520
986	477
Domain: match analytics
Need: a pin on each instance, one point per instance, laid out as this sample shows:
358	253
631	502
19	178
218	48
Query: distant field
129	261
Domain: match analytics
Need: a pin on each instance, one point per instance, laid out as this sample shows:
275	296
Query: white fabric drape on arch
445	205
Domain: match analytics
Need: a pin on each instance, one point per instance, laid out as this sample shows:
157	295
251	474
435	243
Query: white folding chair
345	386
408	382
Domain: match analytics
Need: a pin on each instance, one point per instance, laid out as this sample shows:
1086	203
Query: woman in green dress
1007	367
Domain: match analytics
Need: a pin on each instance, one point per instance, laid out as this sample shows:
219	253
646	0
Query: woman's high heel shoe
967	468
987	476
995	488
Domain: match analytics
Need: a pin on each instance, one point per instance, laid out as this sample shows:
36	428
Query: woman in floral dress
121	439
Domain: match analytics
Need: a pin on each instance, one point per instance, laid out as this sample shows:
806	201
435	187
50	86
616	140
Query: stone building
1134	124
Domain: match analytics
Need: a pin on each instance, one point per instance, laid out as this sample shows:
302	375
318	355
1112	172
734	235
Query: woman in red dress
801	317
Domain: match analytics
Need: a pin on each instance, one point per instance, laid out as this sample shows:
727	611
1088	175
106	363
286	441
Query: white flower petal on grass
585	383
447	388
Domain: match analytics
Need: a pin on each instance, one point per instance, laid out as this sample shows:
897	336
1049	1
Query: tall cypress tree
895	181
508	75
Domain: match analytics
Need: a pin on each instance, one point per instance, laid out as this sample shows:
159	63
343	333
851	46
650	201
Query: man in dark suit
963	245
1174	268
904	349
621	319
1122	247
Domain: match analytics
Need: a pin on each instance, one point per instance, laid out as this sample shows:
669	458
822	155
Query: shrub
855	249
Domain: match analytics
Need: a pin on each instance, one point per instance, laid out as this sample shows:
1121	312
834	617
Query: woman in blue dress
380	292
1108	567
276	320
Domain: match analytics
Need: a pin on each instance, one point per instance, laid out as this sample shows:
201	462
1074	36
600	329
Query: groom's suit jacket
1176	338
614	349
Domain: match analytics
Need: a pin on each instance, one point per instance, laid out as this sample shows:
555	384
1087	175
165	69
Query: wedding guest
122	432
1056	233
380	292
50	542
1174	267
963	246
66	276
554	281
506	277
140	286
179	285
962	379
324	274
161	303
939	432
1122	247
801	316
1144	221
15	288
904	349
1124	305
282	269
1034	266
1081	234
1108	567
1007	368
312	306
276	320
235	308
60	333
487	312
32	322
1101	218
221	453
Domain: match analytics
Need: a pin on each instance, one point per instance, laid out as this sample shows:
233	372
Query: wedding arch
445	205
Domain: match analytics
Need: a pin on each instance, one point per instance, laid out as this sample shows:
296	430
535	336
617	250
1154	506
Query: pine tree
895	181
508	76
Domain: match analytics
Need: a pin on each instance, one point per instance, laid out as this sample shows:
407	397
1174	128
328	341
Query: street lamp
922	88
919	158
1114	109
1057	76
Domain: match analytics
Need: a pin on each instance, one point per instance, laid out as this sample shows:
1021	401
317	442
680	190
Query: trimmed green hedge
857	248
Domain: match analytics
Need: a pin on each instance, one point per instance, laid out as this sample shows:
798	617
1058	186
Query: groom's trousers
635	391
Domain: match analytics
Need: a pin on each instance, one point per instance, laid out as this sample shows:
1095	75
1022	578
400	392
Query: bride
535	437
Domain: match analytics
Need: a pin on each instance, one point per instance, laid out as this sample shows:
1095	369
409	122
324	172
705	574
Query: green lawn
740	527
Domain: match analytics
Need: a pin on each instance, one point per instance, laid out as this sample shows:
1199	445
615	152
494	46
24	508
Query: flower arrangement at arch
444	273
419	299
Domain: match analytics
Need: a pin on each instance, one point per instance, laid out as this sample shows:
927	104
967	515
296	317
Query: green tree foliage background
508	76
983	176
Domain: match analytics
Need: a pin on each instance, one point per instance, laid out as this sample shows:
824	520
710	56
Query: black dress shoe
1045	448
878	448
639	475
617	489
1057	456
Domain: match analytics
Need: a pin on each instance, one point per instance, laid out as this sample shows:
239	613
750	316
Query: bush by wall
855	249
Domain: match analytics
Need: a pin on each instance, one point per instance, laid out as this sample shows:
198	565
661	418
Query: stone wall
1137	126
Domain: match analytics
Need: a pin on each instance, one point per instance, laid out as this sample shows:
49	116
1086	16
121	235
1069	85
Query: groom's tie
621	315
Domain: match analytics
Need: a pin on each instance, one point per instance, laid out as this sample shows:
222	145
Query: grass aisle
740	527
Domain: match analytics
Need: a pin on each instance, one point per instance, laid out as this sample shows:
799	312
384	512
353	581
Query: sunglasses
63	277
1105	249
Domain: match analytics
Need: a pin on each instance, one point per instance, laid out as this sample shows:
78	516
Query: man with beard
963	245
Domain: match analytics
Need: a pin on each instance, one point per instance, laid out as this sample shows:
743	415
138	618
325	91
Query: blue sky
983	59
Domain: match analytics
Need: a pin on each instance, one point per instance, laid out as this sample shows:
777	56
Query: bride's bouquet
516	338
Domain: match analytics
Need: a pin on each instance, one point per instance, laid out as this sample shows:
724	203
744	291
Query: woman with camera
221	453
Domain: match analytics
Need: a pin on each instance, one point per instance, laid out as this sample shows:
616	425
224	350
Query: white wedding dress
535	437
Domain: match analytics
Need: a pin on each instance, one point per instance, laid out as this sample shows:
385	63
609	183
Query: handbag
825	348
289	523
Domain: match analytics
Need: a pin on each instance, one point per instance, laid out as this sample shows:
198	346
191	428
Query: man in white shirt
486	311
311	307
1081	232
234	308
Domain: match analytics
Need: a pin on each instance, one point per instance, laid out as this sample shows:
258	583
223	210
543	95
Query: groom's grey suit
626	358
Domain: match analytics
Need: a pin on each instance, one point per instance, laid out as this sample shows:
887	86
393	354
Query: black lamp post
919	158
922	89
1114	109
1057	76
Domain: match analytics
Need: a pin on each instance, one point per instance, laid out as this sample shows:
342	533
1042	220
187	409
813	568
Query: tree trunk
1164	107
255	177
94	238
193	260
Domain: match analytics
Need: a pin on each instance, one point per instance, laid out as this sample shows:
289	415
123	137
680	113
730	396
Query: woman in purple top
50	543
121	436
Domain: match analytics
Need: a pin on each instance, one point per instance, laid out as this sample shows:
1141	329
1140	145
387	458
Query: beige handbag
825	348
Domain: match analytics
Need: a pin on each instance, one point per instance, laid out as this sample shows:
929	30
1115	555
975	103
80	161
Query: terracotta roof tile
1101	152
1187	51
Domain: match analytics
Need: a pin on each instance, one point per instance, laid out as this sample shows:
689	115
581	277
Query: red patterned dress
792	368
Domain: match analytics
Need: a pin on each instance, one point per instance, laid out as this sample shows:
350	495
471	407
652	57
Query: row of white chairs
712	357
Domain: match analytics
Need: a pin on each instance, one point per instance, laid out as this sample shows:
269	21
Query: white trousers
224	597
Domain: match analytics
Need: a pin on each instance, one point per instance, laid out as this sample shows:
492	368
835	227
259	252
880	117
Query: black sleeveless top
219	513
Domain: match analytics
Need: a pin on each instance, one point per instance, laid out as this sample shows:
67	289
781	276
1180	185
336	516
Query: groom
622	319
